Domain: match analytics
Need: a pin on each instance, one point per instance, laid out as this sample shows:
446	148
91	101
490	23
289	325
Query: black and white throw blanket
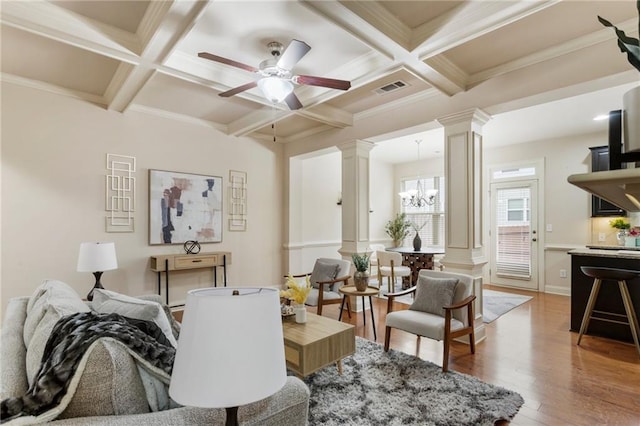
65	355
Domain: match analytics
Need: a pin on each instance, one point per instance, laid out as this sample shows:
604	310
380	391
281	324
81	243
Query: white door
514	234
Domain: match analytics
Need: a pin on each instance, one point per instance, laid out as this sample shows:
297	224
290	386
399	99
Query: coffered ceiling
142	55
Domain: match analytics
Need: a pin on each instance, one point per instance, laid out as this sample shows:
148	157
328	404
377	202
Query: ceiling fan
275	78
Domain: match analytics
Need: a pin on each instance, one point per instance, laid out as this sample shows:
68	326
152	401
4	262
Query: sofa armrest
288	406
13	352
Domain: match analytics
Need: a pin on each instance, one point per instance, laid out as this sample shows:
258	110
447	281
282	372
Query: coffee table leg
342	307
373	320
339	365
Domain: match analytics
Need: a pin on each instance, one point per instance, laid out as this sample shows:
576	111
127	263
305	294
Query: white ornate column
355	203
464	247
355	197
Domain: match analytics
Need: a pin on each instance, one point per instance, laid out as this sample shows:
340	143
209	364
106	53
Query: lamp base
96	285
232	416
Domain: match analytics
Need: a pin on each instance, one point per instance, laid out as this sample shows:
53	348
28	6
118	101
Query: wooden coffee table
317	343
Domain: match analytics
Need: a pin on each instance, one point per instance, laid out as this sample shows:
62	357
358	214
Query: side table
352	291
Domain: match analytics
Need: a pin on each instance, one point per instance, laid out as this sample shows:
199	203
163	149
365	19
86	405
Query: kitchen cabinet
600	162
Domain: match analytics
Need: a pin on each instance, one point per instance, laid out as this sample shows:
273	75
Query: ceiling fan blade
292	54
322	82
238	89
226	61
292	101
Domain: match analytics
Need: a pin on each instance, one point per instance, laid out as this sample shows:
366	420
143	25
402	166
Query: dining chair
373	259
390	266
442	310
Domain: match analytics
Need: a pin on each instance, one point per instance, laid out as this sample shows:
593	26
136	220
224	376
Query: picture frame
184	207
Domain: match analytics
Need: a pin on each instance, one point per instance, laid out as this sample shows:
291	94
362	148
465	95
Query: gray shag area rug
497	303
393	388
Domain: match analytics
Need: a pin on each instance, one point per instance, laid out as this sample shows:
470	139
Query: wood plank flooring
530	350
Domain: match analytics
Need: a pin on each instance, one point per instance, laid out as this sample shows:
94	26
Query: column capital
364	146
474	115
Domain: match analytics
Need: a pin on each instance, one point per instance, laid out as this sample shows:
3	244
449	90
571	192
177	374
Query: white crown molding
177	117
309	132
381	18
256	120
51	88
445	67
390	107
57	23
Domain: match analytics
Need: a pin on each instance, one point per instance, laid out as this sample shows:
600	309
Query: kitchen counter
609	299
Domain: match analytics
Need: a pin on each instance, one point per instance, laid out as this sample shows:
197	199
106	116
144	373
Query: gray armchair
442	310
327	277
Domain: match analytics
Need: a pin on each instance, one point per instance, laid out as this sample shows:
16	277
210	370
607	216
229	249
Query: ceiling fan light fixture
275	89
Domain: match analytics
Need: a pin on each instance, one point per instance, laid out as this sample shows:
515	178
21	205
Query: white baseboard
554	289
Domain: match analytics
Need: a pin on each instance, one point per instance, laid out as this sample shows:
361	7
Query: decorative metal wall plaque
237	200
120	193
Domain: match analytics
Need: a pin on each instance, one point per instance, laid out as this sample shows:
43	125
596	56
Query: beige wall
53	196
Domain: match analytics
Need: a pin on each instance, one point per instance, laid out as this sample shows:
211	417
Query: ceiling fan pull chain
273	123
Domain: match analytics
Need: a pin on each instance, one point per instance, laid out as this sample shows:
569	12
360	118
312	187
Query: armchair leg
445	357
387	338
472	341
319	311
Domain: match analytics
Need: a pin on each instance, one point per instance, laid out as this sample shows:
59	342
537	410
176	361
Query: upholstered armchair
327	277
442	310
390	266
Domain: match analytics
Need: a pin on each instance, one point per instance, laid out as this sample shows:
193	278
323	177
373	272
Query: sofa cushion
51	293
51	301
434	293
323	272
107	302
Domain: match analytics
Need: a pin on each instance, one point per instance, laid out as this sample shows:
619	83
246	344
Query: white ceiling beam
349	19
171	25
470	20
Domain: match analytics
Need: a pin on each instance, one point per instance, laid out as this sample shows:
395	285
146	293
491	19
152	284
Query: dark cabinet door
600	162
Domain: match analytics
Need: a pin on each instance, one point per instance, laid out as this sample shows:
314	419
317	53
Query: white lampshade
231	348
274	88
96	257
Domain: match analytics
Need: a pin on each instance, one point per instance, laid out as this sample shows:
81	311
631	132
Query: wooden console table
182	262
416	260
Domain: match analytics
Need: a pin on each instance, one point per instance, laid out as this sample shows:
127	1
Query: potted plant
621	225
631	99
297	292
398	228
361	276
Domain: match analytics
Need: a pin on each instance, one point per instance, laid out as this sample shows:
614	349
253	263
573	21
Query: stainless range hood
619	187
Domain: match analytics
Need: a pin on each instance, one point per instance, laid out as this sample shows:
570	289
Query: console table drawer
190	262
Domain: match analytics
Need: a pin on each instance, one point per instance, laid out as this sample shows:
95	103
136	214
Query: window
518	210
428	219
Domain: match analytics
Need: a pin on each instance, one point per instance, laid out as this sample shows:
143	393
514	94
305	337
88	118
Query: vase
301	314
630	123
417	242
361	280
621	236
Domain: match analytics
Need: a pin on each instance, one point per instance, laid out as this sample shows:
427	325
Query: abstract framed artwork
184	207
237	200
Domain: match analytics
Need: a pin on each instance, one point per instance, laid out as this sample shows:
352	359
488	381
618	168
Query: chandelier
418	197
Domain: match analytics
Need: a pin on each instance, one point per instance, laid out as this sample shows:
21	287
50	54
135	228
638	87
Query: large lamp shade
231	348
95	257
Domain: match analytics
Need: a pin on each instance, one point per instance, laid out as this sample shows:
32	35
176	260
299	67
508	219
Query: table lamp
97	258
231	349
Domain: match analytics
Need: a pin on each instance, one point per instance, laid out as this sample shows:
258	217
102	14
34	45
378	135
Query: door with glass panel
514	234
